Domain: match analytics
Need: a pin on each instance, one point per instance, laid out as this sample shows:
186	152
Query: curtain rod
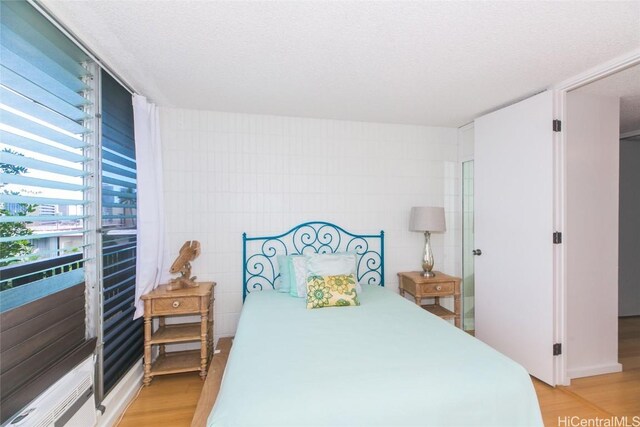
76	40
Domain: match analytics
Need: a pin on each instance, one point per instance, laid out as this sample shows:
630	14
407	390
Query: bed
386	362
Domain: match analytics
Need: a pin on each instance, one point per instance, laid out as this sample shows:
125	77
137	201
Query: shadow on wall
629	240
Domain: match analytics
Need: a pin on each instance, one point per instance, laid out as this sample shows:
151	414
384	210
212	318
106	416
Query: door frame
462	158
462	251
560	91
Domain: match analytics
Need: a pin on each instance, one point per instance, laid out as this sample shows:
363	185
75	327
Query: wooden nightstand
162	303
432	287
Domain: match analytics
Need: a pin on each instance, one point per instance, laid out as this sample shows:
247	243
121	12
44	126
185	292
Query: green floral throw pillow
331	291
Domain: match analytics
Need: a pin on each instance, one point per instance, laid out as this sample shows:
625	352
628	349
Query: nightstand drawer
445	288
177	305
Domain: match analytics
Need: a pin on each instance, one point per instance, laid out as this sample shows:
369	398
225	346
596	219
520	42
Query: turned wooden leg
456	309
147	343
203	343
161	347
418	300
210	347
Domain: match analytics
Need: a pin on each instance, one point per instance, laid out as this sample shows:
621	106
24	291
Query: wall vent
71	398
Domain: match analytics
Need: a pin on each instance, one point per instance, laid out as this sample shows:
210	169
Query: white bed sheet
386	362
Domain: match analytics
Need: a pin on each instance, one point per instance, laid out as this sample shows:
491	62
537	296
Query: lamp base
428	274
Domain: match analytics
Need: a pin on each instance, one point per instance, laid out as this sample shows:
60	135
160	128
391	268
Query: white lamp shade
427	218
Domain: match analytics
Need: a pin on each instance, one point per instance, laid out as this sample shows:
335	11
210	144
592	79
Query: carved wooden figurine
188	252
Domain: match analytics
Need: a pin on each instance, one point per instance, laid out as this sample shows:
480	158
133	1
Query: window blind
44	82
44	146
122	336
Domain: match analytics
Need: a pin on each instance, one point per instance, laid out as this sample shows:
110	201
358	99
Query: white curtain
150	211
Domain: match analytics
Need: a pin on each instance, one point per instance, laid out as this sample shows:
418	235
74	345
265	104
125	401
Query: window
122	337
42	106
44	156
67	212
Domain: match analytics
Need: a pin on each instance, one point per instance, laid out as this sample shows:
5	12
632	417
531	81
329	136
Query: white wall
230	173
629	246
591	235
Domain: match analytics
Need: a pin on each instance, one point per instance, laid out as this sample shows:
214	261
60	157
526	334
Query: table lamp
427	219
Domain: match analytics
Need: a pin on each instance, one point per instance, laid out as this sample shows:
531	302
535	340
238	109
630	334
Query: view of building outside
34	248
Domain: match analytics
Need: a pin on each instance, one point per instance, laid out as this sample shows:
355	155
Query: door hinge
557	349
557	126
557	238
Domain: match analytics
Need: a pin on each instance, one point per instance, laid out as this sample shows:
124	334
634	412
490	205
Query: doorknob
477	252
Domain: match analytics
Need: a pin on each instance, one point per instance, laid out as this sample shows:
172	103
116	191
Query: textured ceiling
626	86
431	63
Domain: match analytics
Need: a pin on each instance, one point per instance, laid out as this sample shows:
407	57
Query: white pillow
337	264
299	275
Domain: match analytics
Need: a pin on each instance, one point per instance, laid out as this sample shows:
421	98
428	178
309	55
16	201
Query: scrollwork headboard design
260	267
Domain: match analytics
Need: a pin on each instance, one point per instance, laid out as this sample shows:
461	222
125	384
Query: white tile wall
229	173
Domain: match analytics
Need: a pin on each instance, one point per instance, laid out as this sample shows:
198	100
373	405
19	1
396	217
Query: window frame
93	237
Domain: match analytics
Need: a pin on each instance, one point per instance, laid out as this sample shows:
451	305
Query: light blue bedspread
384	363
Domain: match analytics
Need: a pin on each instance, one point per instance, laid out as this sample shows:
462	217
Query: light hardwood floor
171	401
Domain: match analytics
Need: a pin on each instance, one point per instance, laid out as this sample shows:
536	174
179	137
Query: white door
513	179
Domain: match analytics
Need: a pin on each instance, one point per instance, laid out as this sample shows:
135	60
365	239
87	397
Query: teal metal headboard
259	265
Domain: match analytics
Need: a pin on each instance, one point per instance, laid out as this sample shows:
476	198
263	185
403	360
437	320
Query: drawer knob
176	304
438	288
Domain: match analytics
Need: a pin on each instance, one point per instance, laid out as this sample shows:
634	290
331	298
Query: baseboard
119	397
590	371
